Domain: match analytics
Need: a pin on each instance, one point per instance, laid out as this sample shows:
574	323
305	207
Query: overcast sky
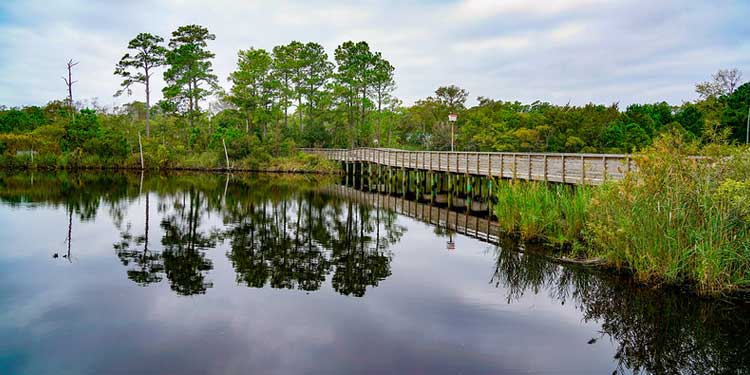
561	51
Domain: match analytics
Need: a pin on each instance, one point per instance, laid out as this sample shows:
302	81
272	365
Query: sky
560	51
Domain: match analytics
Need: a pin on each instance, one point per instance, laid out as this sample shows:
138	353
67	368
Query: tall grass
679	220
555	214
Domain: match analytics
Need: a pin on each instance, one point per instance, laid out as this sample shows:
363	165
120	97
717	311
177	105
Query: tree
383	85
138	68
190	68
82	129
69	83
736	112
285	65
316	71
253	86
453	97
691	119
353	79
724	82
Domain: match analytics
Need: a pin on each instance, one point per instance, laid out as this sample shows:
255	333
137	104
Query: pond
113	273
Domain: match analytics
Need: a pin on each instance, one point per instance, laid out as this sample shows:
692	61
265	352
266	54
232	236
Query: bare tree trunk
247	122
190	103
362	119
148	106
140	148
286	115
380	103
299	109
69	82
226	155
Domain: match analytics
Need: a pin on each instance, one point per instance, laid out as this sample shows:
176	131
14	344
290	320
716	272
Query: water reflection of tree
294	241
359	262
147	266
655	331
185	263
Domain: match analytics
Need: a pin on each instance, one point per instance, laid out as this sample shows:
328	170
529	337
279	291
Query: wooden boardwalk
589	169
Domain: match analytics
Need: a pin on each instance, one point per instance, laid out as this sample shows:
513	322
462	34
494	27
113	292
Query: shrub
84	127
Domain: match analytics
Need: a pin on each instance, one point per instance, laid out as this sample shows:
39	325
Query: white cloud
490	8
500	44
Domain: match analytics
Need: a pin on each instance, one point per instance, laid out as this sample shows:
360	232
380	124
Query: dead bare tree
725	82
69	82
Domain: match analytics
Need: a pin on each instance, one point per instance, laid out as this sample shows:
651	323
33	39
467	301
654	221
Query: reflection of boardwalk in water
468	225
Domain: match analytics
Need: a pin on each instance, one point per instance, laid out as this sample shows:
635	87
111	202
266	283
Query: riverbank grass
679	220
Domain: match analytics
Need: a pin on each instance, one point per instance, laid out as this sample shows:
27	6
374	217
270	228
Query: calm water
209	274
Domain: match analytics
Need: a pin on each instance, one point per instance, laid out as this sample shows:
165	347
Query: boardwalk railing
589	169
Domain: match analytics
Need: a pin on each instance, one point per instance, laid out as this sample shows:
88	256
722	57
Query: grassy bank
677	221
205	161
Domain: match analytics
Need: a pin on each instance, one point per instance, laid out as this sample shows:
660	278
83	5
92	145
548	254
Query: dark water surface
209	274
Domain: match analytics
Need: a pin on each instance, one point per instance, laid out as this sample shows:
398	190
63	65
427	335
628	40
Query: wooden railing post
502	165
489	165
583	170
628	160
477	164
529	157
467	164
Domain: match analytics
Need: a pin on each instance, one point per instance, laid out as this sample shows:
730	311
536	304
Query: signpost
452	118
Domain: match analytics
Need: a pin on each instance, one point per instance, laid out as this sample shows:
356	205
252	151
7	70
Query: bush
244	146
83	128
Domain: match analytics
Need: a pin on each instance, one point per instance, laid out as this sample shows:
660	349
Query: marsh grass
679	220
539	212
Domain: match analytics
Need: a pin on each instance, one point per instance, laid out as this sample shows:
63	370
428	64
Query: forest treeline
296	95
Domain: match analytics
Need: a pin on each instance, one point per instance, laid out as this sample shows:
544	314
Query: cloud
560	51
491	8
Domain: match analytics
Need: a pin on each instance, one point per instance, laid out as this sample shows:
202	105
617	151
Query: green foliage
189	77
736	112
678	220
138	68
22	120
84	127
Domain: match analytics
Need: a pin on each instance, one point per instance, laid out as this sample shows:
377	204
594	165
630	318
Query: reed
539	212
679	220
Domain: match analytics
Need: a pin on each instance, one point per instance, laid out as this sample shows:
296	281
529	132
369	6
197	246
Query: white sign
452	117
